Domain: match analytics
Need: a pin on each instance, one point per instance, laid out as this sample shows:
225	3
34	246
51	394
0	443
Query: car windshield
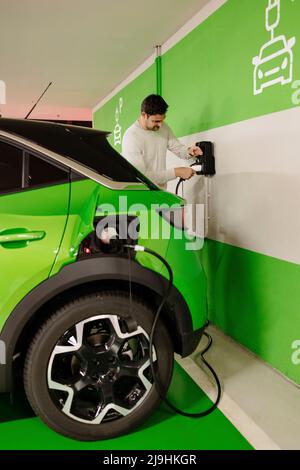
86	146
97	154
273	47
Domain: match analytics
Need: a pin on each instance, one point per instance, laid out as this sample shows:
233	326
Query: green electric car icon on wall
274	64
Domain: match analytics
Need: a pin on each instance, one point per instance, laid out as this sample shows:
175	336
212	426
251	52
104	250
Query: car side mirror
255	60
291	42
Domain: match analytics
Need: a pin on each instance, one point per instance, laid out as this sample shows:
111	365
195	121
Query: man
146	142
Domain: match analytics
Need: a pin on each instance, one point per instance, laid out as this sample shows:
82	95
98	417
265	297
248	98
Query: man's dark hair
154	104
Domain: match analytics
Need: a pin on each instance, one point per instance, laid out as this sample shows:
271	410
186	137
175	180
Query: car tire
87	372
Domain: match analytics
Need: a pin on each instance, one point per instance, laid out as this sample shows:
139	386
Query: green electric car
76	301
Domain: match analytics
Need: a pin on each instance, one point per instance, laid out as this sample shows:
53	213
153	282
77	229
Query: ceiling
86	48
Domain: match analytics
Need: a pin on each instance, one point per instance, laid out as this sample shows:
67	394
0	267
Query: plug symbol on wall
272	16
118	127
274	64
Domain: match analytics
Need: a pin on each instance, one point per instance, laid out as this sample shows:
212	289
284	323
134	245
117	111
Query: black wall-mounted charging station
204	164
207	160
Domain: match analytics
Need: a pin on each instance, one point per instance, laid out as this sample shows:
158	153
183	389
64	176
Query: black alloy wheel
87	372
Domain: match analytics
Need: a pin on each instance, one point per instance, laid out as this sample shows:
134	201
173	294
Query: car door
34	200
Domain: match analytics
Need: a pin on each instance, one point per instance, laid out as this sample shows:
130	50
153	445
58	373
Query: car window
10	168
40	172
272	48
97	154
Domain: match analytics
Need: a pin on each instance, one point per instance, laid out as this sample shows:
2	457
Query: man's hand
195	151
184	172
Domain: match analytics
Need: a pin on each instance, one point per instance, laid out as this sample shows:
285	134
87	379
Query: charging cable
181	180
197	167
151	337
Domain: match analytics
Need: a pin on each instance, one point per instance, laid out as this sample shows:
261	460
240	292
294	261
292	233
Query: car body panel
189	277
24	265
83	202
188	273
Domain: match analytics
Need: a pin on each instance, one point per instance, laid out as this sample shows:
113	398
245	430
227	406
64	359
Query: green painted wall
208	82
131	96
208	75
255	299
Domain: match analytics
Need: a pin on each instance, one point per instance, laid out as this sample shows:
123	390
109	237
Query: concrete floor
261	403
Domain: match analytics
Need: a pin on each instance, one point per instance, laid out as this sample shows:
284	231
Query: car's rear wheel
87	372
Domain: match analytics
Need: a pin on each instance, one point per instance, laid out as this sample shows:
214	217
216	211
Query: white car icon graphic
274	64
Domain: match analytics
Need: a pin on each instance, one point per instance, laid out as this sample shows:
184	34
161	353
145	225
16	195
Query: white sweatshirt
147	150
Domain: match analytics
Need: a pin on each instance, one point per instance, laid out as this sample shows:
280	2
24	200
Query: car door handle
21	236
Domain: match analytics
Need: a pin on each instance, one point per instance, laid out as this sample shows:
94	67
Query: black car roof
28	128
83	145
